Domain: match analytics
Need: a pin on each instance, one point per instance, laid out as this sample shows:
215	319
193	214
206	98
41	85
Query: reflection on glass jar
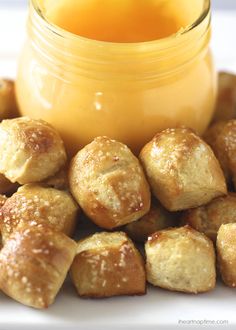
127	91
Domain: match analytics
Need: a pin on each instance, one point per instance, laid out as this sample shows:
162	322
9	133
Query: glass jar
128	91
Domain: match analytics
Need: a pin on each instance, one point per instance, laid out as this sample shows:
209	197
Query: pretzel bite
182	169
54	207
226	253
108	182
30	150
226	103
156	219
8	105
181	259
208	218
34	263
106	265
222	138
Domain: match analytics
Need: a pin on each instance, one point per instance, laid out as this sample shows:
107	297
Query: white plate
159	309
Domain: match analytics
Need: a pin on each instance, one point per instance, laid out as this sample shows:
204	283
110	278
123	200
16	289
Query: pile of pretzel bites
177	198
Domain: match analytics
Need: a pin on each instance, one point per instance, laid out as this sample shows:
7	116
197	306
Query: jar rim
143	60
64	33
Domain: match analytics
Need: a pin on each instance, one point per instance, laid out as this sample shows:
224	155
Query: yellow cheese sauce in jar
122	68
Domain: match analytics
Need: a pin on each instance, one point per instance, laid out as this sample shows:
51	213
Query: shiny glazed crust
226	253
181	259
182	169
208	218
34	263
108	182
106	265
48	205
30	150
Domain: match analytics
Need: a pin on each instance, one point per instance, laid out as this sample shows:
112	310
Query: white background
215	3
13	15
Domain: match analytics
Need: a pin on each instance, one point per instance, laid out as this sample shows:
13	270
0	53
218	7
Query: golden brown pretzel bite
226	253
181	259
108	182
221	136
30	150
182	169
108	264
55	207
34	263
208	218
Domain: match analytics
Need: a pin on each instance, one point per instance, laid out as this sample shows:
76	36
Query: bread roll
222	138
156	219
226	253
54	207
34	263
106	265
30	150
226	102
208	218
108	182
181	259
8	105
182	169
